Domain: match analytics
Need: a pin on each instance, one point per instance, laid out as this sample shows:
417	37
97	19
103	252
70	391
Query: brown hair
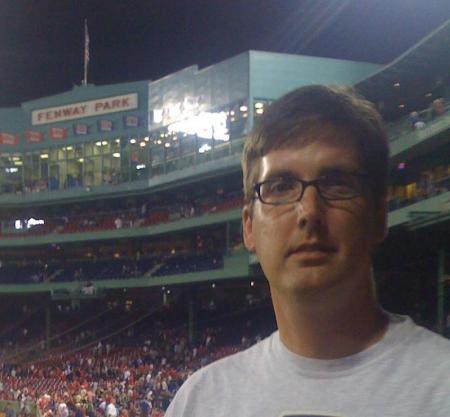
309	108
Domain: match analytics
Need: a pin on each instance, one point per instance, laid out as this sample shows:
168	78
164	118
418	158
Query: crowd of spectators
103	269
131	374
89	218
418	119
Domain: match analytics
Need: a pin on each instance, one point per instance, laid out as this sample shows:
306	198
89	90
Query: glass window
92	171
157	156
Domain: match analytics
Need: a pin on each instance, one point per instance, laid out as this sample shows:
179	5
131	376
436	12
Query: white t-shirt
405	374
111	410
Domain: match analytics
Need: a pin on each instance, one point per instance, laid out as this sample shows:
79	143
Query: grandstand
121	263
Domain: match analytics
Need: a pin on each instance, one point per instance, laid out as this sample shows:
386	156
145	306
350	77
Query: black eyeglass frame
305	184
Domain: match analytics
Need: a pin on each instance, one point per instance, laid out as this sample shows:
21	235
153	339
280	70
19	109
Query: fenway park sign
84	109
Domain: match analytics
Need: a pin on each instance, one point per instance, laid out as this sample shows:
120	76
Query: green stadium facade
185	132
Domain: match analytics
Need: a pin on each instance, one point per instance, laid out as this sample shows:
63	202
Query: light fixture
81	160
259	105
118	140
133	141
116	155
99	143
167	145
243	108
69	148
44	156
259	111
401	106
397	84
105	142
142	144
146	138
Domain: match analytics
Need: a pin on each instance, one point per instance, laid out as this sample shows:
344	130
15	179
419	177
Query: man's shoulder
235	364
422	338
422	349
195	397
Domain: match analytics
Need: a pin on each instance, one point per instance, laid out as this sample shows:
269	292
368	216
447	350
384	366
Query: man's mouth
312	251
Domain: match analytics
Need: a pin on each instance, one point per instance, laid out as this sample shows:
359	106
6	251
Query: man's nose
310	208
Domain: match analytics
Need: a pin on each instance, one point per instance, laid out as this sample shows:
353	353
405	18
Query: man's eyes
282	185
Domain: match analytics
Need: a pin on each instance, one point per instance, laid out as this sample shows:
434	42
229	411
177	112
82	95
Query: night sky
41	41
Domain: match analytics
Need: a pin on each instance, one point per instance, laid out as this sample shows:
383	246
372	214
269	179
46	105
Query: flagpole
86	52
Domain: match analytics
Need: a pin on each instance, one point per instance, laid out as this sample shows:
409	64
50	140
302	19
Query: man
315	181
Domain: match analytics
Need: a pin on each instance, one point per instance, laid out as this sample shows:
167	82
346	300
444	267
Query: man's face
311	245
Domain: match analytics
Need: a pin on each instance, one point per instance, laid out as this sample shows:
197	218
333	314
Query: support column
227	239
47	327
441	292
191	317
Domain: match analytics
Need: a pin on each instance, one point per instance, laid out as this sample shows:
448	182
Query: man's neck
332	330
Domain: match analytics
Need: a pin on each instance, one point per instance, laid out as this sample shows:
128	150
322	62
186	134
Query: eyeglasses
287	190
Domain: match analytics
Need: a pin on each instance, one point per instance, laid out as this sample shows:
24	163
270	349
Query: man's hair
310	108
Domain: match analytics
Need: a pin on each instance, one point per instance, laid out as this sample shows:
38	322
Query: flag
86	51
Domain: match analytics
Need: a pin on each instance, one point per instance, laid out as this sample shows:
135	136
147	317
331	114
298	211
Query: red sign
33	136
57	133
8	139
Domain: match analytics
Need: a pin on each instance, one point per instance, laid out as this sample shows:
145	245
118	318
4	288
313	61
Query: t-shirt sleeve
178	406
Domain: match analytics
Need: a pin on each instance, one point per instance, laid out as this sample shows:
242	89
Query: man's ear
247	225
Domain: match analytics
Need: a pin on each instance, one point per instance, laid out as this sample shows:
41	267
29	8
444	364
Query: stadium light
204	148
206	125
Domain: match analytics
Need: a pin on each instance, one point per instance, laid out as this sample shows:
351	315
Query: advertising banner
131	121
105	125
33	136
8	139
80	129
57	133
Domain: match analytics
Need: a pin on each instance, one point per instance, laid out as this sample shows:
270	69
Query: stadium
122	268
